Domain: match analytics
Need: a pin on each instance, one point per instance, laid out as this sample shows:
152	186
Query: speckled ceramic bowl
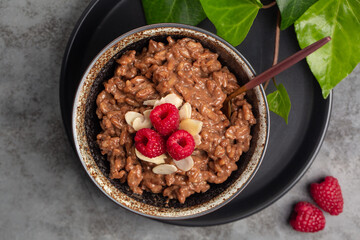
86	126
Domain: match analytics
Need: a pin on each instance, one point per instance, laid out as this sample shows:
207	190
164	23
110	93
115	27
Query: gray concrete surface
46	194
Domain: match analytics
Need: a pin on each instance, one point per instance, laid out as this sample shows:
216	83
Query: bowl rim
250	70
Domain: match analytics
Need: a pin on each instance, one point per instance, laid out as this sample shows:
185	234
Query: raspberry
328	195
149	143
165	118
307	218
180	144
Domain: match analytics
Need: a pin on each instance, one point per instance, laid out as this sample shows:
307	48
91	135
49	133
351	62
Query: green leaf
291	10
279	102
339	19
232	18
179	11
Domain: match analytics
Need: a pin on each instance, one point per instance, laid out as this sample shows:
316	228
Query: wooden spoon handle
280	67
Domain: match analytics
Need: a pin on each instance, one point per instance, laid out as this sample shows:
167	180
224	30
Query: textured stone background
46	194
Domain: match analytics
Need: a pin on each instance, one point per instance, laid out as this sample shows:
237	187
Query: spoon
273	71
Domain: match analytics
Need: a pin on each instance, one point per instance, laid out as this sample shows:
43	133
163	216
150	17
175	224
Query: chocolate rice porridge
192	72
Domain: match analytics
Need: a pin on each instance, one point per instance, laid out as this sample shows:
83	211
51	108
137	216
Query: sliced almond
185	164
131	116
157	160
173	99
150	102
170	98
159	102
185	111
197	139
141	122
146	113
164	169
191	125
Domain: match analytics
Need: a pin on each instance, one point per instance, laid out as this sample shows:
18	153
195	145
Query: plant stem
269	5
276	49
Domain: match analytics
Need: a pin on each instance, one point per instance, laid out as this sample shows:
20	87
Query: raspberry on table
180	144
149	143
165	118
328	196
307	218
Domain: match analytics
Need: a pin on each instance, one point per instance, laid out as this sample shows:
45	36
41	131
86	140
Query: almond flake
157	160
185	164
197	139
191	125
131	116
185	111
146	113
150	102
141	122
164	169
170	98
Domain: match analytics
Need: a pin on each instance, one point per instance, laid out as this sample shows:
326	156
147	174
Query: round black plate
292	147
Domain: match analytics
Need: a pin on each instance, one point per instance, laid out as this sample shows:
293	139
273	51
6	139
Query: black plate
292	148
